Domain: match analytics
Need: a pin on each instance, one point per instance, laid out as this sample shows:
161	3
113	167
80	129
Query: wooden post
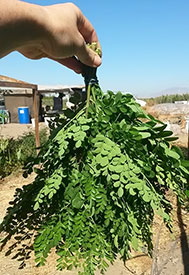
36	117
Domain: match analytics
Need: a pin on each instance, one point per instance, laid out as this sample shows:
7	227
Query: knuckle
72	6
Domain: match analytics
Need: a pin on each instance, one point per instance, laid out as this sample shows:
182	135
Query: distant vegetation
15	152
166	99
47	101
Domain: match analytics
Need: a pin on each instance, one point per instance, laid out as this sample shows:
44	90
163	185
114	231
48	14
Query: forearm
20	24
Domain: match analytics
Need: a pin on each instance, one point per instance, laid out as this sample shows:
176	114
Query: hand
66	32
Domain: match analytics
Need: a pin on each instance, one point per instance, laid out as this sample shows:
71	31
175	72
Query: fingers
89	35
87	56
86	29
71	63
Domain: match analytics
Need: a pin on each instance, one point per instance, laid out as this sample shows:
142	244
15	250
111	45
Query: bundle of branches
104	174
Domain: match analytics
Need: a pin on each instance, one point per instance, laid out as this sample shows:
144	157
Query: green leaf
117	184
57	184
120	192
75	129
36	206
99	158
123	180
115	177
172	154
164	134
111	168
185	163
116	241
171	138
187	193
119	168
77	202
134	242
160	128
104	161
134	108
141	128
78	144
51	195
178	151
85	127
132	192
146	197
108	112
184	170
145	135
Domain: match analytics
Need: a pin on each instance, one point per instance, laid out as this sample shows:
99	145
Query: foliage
102	177
15	152
3	116
47	100
167	99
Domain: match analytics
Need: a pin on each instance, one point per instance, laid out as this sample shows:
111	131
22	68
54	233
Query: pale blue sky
145	47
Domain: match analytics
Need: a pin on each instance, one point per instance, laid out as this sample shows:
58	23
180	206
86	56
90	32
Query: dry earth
14	130
168	256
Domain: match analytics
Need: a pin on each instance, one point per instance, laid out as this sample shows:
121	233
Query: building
16	93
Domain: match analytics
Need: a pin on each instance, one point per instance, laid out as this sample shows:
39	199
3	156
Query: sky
145	46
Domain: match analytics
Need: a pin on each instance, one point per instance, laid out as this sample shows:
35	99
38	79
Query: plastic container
23	115
33	122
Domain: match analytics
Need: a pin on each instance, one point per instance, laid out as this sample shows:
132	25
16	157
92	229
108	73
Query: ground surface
14	130
169	250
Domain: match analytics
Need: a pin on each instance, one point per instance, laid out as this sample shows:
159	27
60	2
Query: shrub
15	152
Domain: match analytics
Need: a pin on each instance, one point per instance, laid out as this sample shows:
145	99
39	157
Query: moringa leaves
100	182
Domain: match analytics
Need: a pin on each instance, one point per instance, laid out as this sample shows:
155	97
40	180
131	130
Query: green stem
88	99
76	116
94	97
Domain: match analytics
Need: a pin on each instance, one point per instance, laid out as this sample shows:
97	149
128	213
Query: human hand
66	31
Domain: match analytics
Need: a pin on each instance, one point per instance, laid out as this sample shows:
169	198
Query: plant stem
88	99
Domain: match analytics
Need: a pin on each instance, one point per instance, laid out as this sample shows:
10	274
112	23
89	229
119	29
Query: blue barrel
24	115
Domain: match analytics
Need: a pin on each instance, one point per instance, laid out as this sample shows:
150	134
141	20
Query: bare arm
20	24
58	32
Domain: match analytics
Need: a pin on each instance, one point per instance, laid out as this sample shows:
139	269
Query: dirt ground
171	252
14	130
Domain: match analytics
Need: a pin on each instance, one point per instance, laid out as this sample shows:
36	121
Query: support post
36	117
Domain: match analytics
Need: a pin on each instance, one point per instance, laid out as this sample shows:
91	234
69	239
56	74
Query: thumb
88	56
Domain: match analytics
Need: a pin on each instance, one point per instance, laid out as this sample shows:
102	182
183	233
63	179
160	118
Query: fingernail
97	61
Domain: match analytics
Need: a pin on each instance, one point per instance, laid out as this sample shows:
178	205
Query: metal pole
36	117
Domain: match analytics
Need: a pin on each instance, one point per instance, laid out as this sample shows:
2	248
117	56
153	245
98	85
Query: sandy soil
168	256
14	130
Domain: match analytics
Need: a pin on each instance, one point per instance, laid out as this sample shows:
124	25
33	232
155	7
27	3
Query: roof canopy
8	83
15	86
44	89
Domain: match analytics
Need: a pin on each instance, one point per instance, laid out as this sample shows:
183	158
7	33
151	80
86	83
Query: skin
59	32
